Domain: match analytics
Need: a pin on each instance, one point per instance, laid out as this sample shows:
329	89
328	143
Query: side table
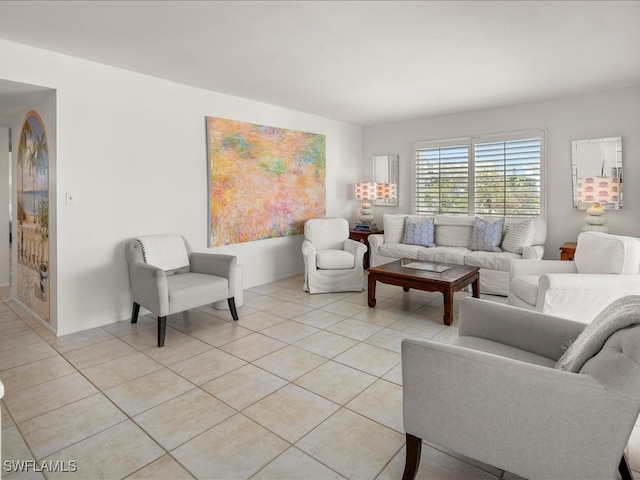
362	236
568	250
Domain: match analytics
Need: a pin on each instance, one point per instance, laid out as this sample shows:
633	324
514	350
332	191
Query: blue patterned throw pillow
418	233
487	236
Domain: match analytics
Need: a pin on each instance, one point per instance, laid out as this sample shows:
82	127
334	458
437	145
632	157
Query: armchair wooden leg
135	312
232	306
625	471
162	330
412	460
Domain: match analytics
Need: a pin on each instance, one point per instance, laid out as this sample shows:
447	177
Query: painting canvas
264	182
32	242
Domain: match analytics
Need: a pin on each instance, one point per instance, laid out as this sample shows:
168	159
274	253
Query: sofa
490	243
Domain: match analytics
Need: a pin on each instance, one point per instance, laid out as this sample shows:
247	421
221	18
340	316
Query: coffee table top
452	275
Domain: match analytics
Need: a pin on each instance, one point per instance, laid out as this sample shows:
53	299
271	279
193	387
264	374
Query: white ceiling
362	62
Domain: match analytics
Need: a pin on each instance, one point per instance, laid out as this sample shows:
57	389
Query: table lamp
599	191
365	191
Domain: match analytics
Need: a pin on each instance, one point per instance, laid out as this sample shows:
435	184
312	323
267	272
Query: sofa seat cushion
525	287
492	260
334	259
454	255
400	250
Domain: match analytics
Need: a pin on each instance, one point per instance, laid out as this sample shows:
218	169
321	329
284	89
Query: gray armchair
167	277
495	395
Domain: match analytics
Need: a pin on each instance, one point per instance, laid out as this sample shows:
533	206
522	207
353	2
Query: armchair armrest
535	332
540	267
309	256
356	249
149	287
215	264
535	421
582	296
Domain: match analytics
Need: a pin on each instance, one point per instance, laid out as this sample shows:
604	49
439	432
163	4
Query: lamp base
595	219
366	214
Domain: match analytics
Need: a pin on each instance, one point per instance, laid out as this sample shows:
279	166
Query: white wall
132	150
4	206
608	114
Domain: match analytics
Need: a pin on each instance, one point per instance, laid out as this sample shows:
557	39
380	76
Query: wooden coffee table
448	282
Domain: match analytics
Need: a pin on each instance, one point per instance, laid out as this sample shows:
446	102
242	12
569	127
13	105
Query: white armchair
606	267
332	261
167	277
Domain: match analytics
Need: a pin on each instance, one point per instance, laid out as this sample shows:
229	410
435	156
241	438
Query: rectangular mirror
385	170
597	173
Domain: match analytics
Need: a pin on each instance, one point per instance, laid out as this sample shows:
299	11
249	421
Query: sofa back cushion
454	230
599	253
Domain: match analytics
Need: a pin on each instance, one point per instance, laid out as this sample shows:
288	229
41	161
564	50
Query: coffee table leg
475	287
371	290
448	306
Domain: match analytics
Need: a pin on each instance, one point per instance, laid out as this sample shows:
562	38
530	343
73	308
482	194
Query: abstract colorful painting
264	182
32	231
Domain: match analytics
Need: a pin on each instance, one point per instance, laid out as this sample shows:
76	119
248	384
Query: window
498	175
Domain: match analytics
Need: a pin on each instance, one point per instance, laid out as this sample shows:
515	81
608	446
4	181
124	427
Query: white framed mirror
385	170
597	173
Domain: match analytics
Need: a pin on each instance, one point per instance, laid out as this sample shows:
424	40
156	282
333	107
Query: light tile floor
302	386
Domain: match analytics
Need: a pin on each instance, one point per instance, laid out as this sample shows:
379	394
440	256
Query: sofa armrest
215	264
149	288
540	267
535	332
582	296
375	240
542	420
534	252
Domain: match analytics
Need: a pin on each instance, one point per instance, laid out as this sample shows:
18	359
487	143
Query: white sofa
606	267
521	238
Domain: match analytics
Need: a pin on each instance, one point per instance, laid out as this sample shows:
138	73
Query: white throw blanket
623	313
166	251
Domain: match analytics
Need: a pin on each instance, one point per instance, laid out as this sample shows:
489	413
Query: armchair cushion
623	313
334	259
525	287
599	252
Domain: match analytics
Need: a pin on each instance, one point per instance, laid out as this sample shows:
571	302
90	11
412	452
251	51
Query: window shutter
441	179
507	177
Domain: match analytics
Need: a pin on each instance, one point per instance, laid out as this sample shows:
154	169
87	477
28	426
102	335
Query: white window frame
471	141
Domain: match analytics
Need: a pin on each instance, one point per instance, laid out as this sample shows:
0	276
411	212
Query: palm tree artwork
33	213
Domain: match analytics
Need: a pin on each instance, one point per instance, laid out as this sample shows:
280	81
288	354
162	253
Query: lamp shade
604	190
365	191
386	191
